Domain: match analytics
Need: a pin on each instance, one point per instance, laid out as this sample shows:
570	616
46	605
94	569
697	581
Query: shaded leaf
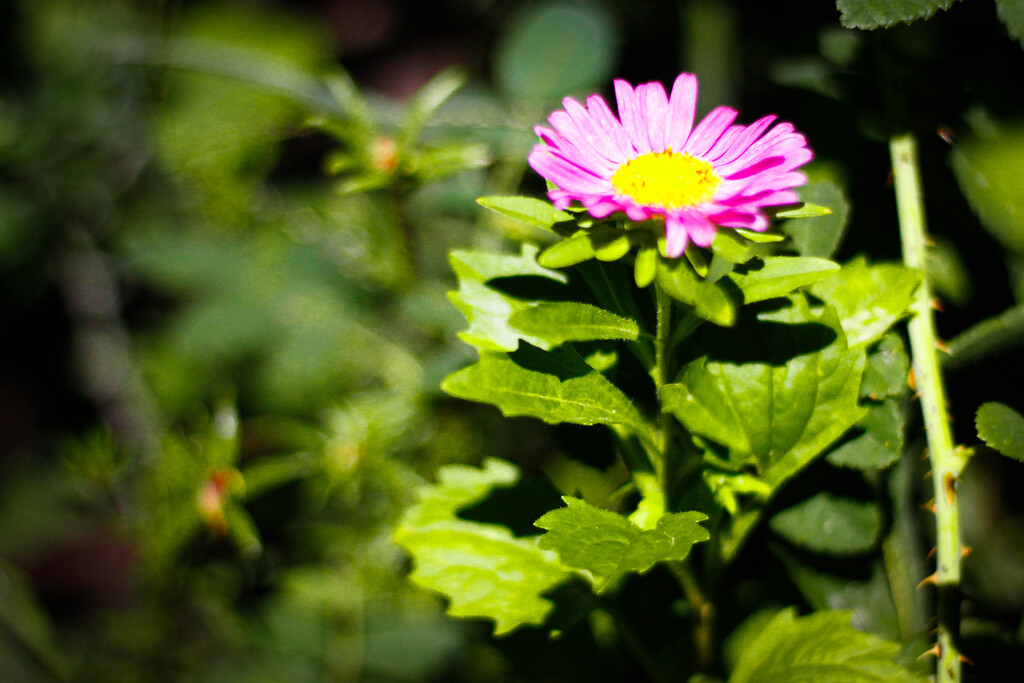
991	336
1011	13
834	526
869	299
777	276
539	214
819	235
888	368
481	568
819	647
562	321
989	170
607	546
869	14
1002	428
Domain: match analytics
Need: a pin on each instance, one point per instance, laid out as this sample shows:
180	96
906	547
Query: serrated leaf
1011	13
553	386
557	322
1002	428
775	392
539	214
819	236
869	299
834	526
778	276
482	569
487	309
864	452
819	647
607	546
680	282
870	14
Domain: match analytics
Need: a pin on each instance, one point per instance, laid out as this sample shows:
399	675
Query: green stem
704	608
946	464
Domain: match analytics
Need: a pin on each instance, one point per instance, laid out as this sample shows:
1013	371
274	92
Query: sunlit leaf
869	14
777	276
869	299
482	569
539	214
825	524
557	322
887	372
553	386
708	300
775	392
607	546
1002	428
487	309
819	647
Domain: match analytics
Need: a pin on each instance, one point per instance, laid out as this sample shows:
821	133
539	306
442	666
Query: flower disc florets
653	162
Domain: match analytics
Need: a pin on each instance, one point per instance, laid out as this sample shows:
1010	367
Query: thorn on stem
965	551
912	380
933	579
949	481
934	650
929	506
965	660
937	304
931	553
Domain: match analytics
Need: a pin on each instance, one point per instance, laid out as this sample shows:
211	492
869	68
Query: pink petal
709	130
747	138
591	132
681	110
575	146
653	113
565	174
676	237
625	98
611	128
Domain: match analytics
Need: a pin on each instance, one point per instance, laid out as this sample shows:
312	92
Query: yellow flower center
666	179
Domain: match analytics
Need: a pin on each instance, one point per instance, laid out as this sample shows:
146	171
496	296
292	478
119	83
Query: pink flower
653	162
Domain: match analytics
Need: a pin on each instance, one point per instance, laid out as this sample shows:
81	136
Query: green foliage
487	309
1011	13
779	412
607	546
821	646
557	322
527	210
820	236
481	568
987	169
869	14
554	386
778	276
1002	428
830	525
708	299
553	48
868	299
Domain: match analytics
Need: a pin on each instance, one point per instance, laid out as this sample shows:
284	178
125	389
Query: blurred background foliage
224	230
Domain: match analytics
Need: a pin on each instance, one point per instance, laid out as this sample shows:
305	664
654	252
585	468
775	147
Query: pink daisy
653	162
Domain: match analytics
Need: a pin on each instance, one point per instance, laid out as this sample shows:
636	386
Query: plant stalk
945	461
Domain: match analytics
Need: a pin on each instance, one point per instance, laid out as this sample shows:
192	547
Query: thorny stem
946	464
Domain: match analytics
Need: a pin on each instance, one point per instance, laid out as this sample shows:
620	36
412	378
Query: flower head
653	162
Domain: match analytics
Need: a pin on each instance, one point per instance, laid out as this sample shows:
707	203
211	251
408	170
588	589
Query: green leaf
991	336
819	235
539	214
819	647
864	452
25	623
1002	428
777	276
574	249
1011	13
887	372
645	268
555	48
488	310
869	14
607	546
869	299
482	569
776	392
989	171
834	526
426	102
562	321
553	386
708	300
